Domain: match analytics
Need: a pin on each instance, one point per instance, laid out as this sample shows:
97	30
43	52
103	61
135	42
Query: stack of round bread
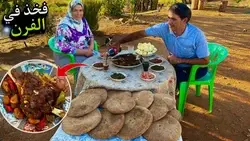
127	115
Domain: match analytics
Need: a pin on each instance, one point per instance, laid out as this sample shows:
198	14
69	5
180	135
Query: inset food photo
32	98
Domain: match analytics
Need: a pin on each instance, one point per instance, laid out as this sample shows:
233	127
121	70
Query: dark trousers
182	74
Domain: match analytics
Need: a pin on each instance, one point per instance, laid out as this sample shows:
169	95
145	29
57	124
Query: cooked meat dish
38	96
126	60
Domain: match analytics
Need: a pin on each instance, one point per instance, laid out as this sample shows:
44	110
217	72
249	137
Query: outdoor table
89	77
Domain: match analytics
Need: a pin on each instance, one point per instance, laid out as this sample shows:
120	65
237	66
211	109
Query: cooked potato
6	100
5	86
14	99
33	121
18	113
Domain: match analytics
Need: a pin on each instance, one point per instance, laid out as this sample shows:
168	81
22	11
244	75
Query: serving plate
126	67
45	69
115	58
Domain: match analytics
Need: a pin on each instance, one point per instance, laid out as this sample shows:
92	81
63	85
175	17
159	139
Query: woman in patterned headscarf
74	35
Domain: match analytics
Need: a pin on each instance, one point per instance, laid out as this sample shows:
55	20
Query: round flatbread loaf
137	121
166	129
84	104
143	98
109	126
81	125
159	107
115	92
119	103
171	102
99	91
175	114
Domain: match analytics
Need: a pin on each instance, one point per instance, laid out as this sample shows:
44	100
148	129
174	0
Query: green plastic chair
218	53
71	57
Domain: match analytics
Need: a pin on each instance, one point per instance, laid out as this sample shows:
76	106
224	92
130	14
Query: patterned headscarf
69	20
72	4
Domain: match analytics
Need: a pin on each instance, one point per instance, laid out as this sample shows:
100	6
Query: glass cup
145	65
105	66
131	49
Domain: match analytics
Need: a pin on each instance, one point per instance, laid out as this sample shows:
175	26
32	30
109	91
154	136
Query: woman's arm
91	46
62	41
89	50
86	52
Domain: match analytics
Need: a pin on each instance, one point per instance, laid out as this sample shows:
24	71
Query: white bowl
97	68
156	63
157	70
118	80
149	80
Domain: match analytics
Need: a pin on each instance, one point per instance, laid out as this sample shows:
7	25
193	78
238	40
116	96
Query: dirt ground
230	119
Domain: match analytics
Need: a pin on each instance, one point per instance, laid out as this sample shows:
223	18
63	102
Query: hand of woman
89	52
85	52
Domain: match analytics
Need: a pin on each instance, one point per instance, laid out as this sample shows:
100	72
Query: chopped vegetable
12	86
14	99
157	67
18	113
147	75
6	99
58	112
41	124
61	98
48	77
5	86
118	76
8	108
33	121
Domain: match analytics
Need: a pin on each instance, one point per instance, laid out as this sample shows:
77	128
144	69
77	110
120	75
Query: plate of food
126	61
146	49
156	60
98	66
148	76
157	68
118	76
34	100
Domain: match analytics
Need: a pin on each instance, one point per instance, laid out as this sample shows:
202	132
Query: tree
5	6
